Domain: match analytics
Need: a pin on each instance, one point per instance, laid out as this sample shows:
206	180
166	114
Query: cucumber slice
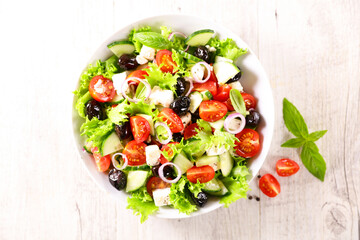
223	190
206	160
111	144
150	121
117	99
195	100
226	163
135	180
200	37
136	168
212	186
192	59
222	59
224	71
121	47
219	124
206	95
183	163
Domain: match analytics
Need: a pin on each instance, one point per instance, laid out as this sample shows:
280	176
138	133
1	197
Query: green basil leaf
238	102
313	160
314	136
152	39
293	120
294	143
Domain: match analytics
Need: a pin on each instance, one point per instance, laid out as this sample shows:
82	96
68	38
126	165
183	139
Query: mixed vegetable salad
167	119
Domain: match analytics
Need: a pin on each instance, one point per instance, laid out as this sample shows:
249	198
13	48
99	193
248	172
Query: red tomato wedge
190	131
168	150
212	110
210	85
203	174
223	93
135	153
156	183
250	101
140	128
286	167
269	185
101	89
102	163
169	117
164	59
137	73
248	144
229	105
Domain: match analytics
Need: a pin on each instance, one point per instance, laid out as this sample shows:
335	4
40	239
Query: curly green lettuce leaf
81	102
237	189
138	44
227	48
142	204
181	67
96	130
107	69
195	188
158	78
180	197
117	114
177	42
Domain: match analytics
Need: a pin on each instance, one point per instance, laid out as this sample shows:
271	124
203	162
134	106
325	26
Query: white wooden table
311	52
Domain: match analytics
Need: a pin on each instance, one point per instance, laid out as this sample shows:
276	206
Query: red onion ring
157	124
187	48
114	162
161	173
147	85
208	68
190	87
231	117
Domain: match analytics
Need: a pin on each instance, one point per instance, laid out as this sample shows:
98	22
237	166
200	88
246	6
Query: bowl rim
216	25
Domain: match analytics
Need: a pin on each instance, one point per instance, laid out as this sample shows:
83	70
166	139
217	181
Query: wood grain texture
311	52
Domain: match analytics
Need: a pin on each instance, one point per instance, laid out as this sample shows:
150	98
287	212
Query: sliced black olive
201	199
235	78
128	62
94	109
180	105
177	137
180	86
202	53
117	179
123	131
253	119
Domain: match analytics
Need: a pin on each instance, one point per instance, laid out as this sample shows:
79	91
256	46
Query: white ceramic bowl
254	81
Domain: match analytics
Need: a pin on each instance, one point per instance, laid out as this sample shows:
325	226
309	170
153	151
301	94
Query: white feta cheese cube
186	119
147	52
152	153
161	197
236	85
141	60
118	80
215	150
162	97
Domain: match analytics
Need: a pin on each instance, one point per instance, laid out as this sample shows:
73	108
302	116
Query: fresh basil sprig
310	155
238	102
152	39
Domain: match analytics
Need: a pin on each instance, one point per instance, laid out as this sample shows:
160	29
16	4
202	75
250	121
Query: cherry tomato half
101	89
212	110
286	167
229	105
169	117
137	73
223	93
156	183
210	85
248	144
163	57
269	185
250	101
190	131
203	174
168	149
140	128
102	163
135	153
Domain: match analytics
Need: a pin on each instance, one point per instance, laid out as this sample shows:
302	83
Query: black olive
180	105
201	199
202	53
180	86
128	61
123	131
94	109
235	78
168	171
117	179
177	137
253	119
195	116
155	170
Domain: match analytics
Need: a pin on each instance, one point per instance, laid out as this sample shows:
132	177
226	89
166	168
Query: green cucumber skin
190	39
118	43
134	168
